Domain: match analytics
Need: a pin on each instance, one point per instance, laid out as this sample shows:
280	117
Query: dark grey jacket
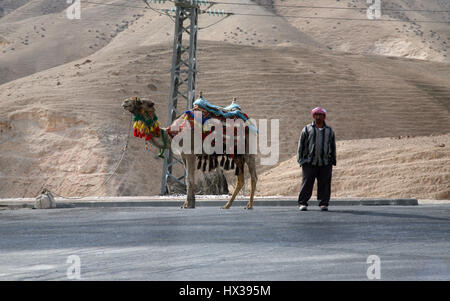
307	143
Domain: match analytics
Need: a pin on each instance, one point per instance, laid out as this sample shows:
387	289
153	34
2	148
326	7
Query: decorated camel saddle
190	119
208	111
147	126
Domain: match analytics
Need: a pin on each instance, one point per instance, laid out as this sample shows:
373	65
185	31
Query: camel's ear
148	104
135	100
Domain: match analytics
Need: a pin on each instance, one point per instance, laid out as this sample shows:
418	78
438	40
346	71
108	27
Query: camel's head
137	105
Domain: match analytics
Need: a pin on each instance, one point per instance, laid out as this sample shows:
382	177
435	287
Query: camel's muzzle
127	105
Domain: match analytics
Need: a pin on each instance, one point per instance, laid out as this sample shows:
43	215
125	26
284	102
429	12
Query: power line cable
328	7
210	25
148	5
295	17
277	16
267	5
321	7
336	18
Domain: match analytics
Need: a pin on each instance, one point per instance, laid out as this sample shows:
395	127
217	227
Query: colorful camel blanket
209	111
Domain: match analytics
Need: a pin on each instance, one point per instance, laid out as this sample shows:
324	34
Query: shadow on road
389	214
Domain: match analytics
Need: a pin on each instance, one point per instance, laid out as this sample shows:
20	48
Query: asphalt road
267	243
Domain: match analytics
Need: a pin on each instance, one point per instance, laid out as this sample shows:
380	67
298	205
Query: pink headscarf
319	110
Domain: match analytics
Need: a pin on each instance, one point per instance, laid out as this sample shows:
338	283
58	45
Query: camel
147	126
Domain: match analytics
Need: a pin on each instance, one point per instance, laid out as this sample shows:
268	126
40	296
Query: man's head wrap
319	110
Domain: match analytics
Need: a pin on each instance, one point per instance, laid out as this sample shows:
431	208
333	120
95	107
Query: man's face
319	118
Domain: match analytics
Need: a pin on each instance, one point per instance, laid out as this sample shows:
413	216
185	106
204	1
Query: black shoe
323	208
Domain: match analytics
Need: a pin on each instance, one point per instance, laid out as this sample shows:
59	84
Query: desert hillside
416	29
62	126
36	34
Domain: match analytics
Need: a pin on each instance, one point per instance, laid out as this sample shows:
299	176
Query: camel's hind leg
239	185
251	162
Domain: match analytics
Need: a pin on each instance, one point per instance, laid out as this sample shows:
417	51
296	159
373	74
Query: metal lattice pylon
183	75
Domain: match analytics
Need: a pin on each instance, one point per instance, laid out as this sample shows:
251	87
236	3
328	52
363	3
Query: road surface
207	243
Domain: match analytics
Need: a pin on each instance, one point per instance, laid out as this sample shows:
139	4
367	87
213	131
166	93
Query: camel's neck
163	141
146	125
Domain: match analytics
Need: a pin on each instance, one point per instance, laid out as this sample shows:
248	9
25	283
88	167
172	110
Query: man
316	155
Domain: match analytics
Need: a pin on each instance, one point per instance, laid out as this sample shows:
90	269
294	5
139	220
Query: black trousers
323	175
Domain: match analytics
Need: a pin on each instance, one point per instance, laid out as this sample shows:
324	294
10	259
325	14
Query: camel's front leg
239	184
190	171
253	179
183	158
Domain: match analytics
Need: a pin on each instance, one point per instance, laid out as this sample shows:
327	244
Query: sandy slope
405	38
38	35
63	127
416	167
